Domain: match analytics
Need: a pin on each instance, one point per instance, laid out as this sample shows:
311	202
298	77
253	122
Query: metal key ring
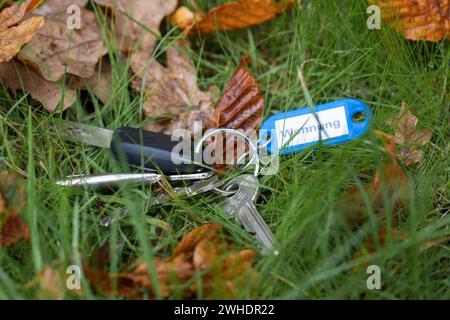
211	133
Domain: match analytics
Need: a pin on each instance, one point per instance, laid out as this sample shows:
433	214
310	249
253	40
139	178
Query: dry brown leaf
51	94
407	135
172	91
56	49
101	83
192	239
14	229
204	250
12	38
14	14
417	19
205	254
137	24
390	180
234	15
242	105
12	203
241	108
52	6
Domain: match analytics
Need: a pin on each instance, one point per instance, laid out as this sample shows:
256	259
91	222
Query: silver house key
241	206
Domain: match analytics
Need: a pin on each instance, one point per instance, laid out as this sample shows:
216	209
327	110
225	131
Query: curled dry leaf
137	25
12	38
12	203
242	105
172	91
56	49
232	15
192	239
204	250
241	108
407	135
417	19
17	76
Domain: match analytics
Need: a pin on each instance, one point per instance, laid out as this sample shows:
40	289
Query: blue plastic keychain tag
293	131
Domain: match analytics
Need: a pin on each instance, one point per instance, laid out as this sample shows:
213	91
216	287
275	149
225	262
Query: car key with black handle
137	148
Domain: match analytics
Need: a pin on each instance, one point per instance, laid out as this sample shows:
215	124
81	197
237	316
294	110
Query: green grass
341	58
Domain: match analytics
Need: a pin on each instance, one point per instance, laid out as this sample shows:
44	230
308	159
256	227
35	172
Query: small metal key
241	205
199	187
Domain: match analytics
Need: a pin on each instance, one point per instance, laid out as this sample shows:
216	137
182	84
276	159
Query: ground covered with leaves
381	200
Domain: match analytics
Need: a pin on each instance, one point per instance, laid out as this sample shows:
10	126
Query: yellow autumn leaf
427	20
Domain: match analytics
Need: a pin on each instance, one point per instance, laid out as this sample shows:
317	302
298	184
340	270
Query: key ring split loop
255	158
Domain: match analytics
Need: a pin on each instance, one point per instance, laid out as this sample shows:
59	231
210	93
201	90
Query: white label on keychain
305	129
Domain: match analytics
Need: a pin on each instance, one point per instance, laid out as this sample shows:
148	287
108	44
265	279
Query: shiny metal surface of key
108	179
115	179
241	205
78	132
249	215
196	188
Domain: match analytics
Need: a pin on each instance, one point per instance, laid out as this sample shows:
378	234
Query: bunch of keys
291	132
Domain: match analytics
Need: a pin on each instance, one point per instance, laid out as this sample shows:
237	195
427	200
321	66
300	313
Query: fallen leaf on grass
12	38
137	24
242	105
101	83
172	91
12	203
407	135
51	94
52	6
57	52
241	108
192	239
231	15
417	19
204	250
56	49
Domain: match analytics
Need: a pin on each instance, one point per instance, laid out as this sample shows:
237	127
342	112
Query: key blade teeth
86	134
